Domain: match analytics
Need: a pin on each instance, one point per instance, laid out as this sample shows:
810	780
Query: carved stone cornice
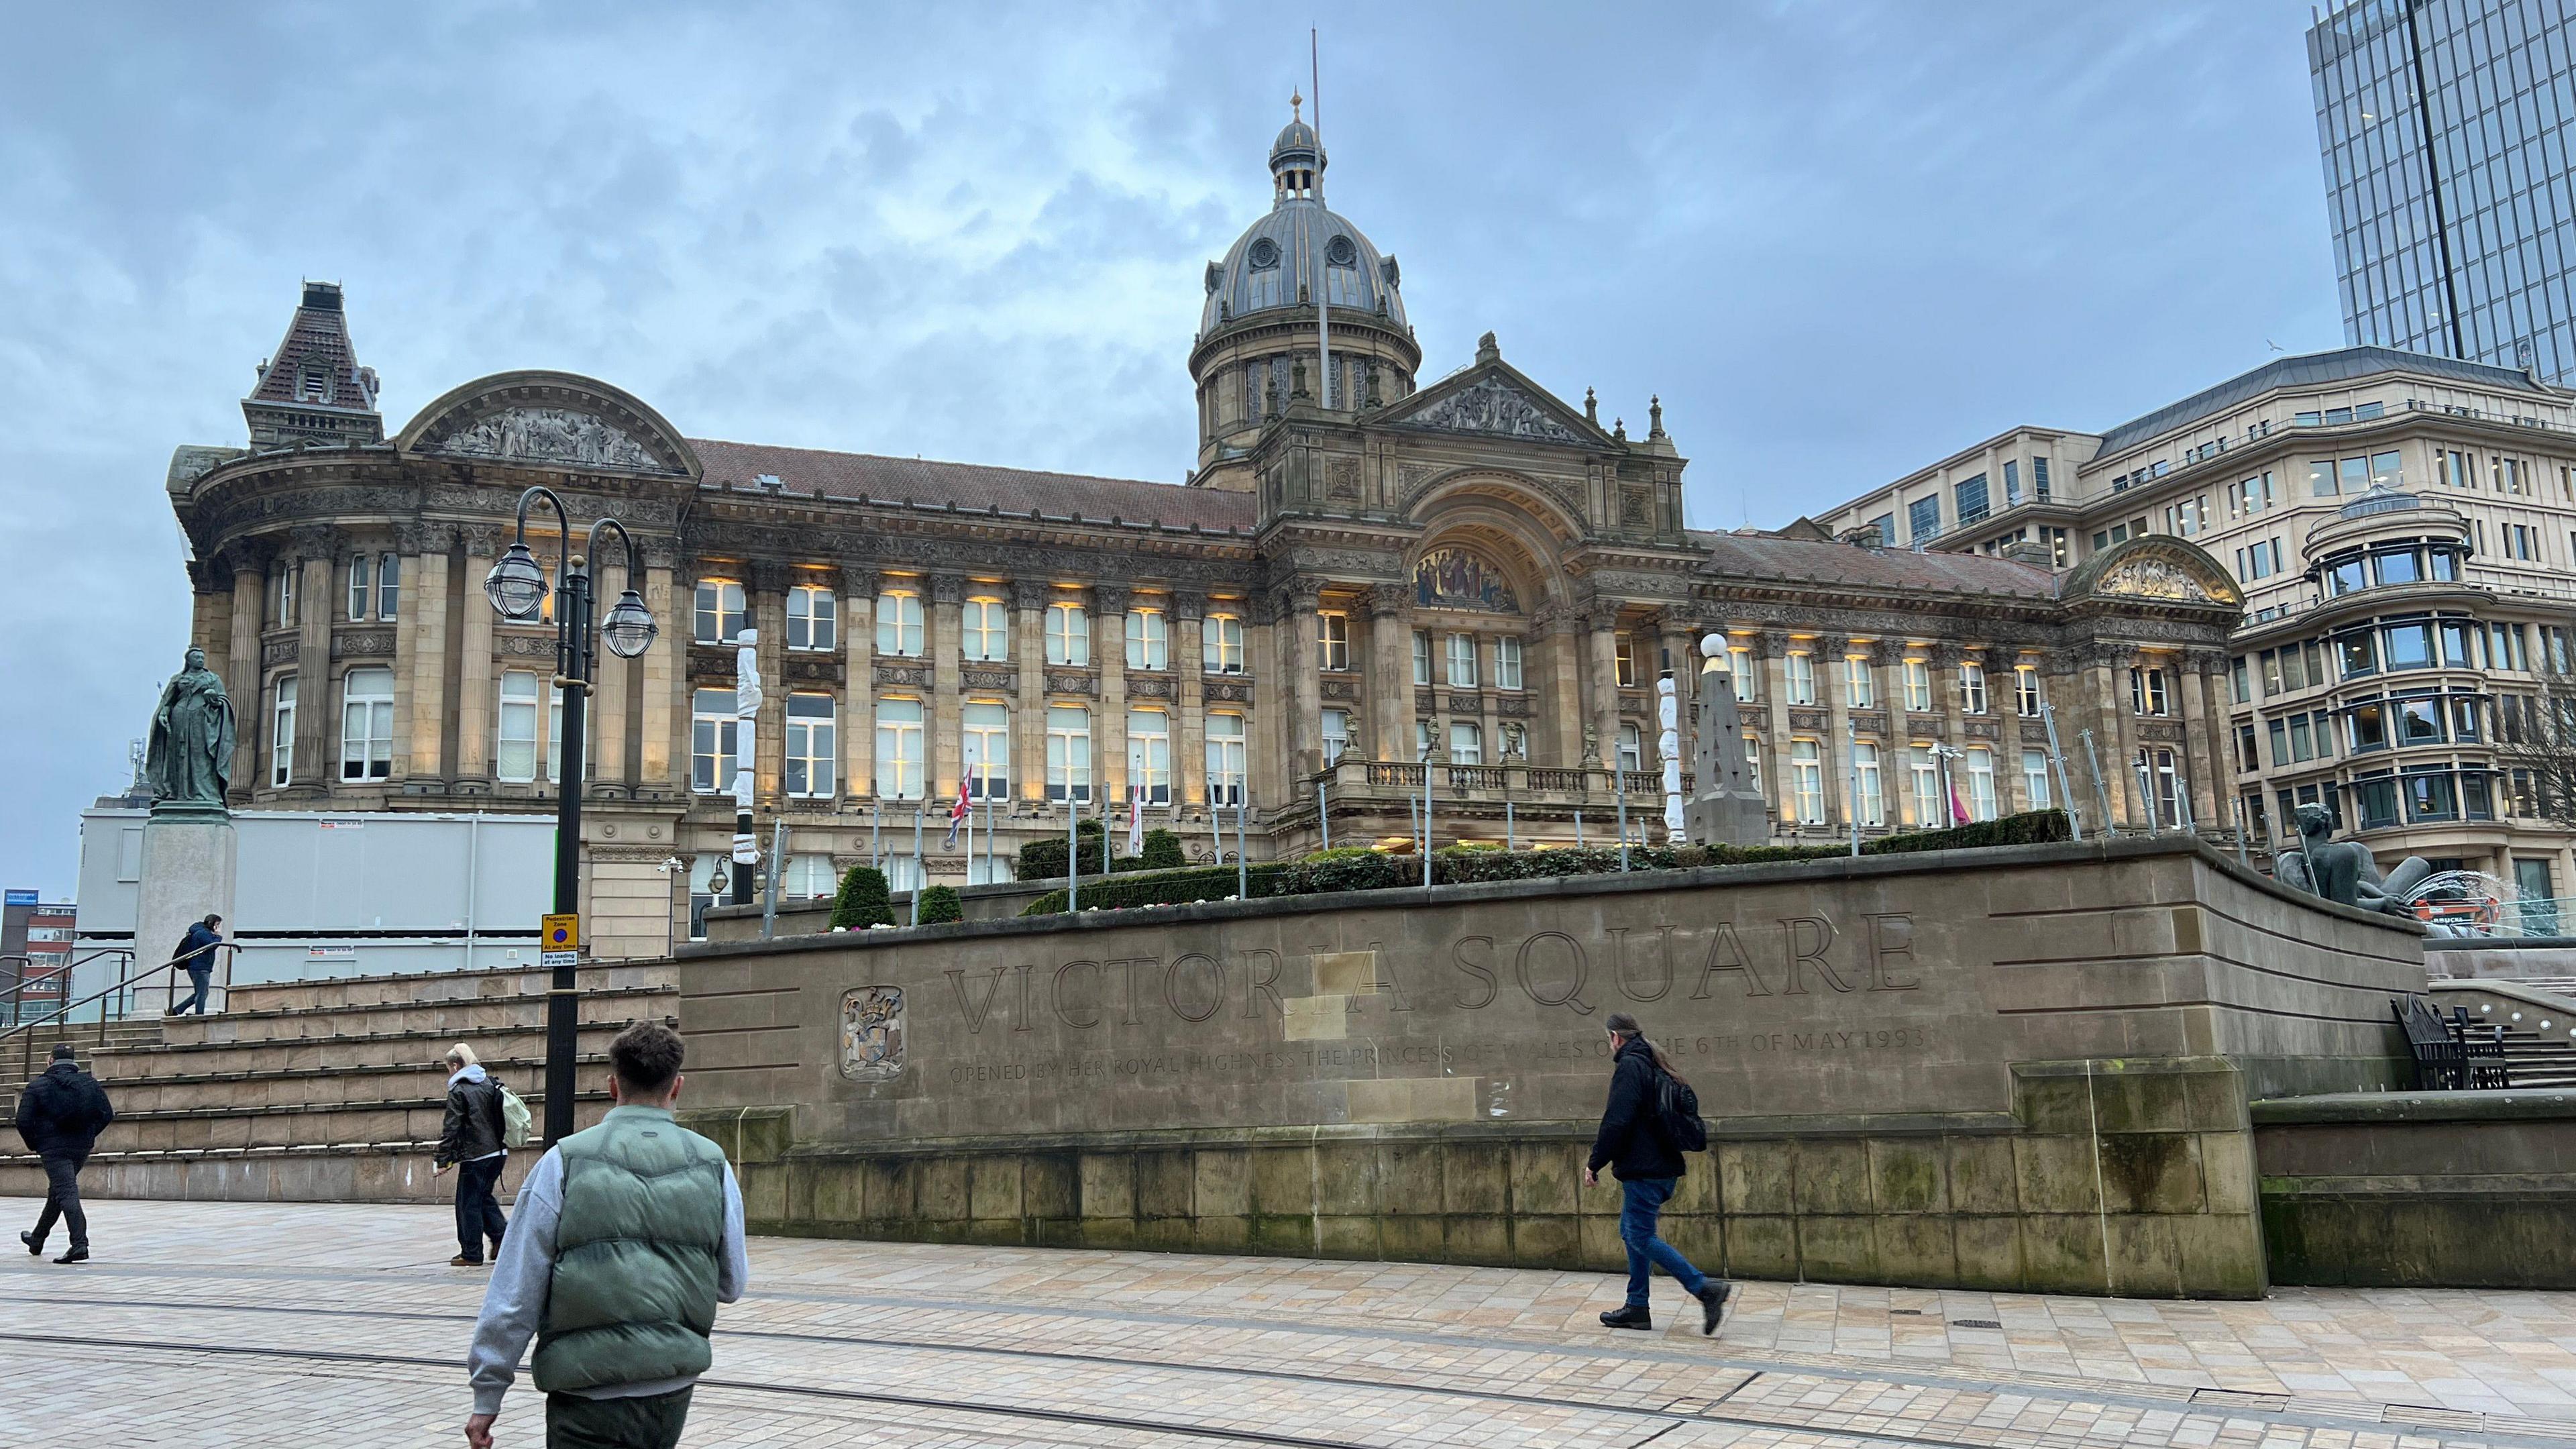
1831	648
1770	643
659	553
313	541
1109	598
1189	606
985	676
1030	595
1149	686
1060	681
2205	660
1886	653
858	581
947	589
767	576
362	644
2105	653
481	540
904	676
281	650
1945	654
1225	691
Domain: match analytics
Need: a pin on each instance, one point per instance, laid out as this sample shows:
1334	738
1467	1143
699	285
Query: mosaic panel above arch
1451	577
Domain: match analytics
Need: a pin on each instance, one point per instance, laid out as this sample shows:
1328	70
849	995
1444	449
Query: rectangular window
1632	748
812	746
388	585
1221	644
2352	476
2012	482
1149	755
2039	477
555	735
362	591
1337	734
2408	646
1623	662
1799	677
1466	742
2027	695
367	724
899	632
900	752
1971	496
2430	796
1923	519
813	619
2147	695
1462	661
1807	781
1069	754
2369	727
1225	759
807	877
2166	785
1068	634
1860	686
1929	812
2384	472
1507	661
1869	789
713	736
2505	647
2321	478
903	872
2508	475
515	760
1150	641
984	732
718	616
1918	687
281	733
1972	687
1981	783
2376	801
2034	779
1421	659
2456	470
1332	641
984	631
1884	526
1746	675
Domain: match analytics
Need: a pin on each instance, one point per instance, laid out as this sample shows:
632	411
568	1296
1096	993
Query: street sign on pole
560	933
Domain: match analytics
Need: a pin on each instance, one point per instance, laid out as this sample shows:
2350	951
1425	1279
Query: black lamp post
516	587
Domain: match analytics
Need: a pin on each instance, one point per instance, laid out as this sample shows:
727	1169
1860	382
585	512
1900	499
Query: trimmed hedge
863	900
1044	859
1358	868
1163	850
941	904
1162	888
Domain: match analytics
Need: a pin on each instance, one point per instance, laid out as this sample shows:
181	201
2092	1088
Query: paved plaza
223	1324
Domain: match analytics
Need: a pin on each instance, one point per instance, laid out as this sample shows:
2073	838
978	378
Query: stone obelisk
1724	808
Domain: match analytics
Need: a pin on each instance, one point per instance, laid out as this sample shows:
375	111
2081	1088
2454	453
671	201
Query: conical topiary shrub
1162	850
940	903
862	902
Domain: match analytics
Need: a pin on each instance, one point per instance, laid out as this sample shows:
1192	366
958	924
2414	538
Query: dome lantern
1296	159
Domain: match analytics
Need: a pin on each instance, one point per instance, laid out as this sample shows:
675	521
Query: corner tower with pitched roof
312	390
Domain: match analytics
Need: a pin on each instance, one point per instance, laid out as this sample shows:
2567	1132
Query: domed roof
1276	261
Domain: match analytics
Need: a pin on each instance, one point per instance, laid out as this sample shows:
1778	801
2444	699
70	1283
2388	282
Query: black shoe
35	1245
76	1255
1712	1302
1631	1316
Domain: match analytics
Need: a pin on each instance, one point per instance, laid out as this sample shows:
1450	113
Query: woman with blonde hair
471	1141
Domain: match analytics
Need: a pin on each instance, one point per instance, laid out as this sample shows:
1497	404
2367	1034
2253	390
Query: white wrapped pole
746	712
1668	743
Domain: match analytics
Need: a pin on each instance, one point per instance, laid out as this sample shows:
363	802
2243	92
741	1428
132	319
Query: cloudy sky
1840	238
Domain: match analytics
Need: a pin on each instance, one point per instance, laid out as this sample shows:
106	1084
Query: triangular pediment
1493	399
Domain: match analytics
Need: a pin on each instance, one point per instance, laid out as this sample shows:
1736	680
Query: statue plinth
188	874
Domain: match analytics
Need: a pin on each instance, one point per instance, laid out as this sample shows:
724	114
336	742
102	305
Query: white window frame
1466	742
1507	661
1225	758
1743	673
813	746
714	604
900	633
2034	779
808	877
1869	786
1149	754
1149	639
1918	686
388	586
813	619
1807	781
281	731
367	724
1068	728
902	729
715	741
1421	659
984	631
1333	641
1336	734
984	749
2028	693
1798	677
1461	656
1924	776
1972	687
1980	763
1221	644
514	726
1632	746
362	589
1068	634
1860	682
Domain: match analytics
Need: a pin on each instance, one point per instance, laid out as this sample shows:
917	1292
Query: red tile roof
318	337
1764	559
974	486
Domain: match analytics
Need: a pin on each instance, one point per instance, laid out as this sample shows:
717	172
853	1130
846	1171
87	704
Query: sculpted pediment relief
2156	578
546	435
1493	407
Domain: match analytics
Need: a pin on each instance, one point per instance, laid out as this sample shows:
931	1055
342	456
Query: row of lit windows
984	628
375	591
2408	642
367	727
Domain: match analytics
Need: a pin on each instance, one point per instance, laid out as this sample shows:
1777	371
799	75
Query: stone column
1833	742
1189	702
2203	741
1300	656
1770	656
1109	730
1489	700
474	702
1029	599
2102	663
1265	744
608	761
1390	673
2217	719
1998	662
858	683
945	643
242	669
421	633
658	741
765	604
316	698
1895	746
1601	617
1560	690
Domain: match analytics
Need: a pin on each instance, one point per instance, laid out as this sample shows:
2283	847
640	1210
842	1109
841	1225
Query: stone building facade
2404	530
1476	573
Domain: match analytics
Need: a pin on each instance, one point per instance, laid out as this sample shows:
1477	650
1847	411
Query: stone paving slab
224	1323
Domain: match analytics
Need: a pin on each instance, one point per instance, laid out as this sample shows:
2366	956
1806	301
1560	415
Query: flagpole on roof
1320	265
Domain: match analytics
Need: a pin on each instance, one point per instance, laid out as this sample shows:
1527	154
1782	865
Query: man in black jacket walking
473	1142
1632	1143
59	1118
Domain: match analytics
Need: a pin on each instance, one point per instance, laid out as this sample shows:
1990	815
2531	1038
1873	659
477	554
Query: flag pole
1323	286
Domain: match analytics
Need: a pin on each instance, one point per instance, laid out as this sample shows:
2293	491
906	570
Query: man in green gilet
626	1238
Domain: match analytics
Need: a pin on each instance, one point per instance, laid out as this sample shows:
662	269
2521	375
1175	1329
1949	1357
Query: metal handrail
26	1029
18	978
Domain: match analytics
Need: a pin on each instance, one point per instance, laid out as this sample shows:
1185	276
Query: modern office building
1361	581
2444	127
2404	530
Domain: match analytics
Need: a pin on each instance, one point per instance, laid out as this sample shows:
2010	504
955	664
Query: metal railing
114	1001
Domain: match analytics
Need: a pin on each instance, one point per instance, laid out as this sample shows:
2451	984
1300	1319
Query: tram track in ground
1667	1416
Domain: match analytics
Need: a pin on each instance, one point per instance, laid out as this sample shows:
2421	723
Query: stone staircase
334	1090
2538	1018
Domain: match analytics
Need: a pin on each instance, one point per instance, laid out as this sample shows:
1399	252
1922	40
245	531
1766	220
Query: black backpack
1677	1113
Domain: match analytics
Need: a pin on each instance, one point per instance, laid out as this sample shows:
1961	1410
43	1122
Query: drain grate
1975	1323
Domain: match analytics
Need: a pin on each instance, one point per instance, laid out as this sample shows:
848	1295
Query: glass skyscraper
2462	247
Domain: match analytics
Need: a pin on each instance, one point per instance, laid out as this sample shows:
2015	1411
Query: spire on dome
312	390
1296	159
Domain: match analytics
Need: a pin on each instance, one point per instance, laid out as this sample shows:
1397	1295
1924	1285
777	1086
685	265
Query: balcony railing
1512	778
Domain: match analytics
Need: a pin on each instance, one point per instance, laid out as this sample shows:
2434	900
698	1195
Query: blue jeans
199	977
1644	1202
478	1215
